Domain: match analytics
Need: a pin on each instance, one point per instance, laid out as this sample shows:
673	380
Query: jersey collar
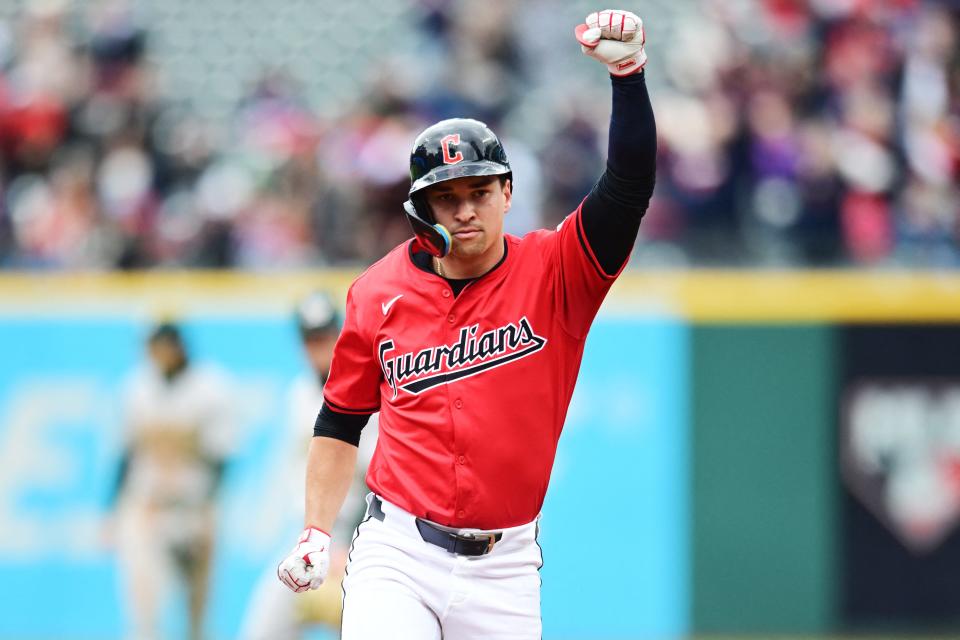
424	262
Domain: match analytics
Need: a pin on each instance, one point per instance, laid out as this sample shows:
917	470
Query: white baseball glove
615	38
306	566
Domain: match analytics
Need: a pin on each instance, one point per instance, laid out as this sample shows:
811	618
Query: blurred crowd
815	132
793	132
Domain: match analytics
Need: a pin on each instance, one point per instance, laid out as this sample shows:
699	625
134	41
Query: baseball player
468	341
274	612
178	434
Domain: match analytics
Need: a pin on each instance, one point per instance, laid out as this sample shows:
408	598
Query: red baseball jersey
472	389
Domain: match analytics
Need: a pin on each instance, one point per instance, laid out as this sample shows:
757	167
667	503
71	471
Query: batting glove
616	39
306	566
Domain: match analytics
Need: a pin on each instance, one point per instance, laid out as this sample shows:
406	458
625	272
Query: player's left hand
615	38
306	566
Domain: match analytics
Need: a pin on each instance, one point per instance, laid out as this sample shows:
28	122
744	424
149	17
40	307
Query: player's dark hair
166	332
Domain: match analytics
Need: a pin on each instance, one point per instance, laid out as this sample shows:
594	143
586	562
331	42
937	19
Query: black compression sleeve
611	213
341	426
632	140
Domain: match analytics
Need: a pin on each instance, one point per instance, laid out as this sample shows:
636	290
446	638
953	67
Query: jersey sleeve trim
588	250
353	412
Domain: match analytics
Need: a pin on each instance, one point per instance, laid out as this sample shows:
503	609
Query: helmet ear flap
434	238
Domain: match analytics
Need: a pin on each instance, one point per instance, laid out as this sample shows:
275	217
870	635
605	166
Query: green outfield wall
763	499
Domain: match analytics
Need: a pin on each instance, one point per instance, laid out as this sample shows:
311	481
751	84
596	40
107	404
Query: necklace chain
438	267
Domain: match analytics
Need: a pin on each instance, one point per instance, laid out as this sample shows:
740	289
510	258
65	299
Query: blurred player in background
178	434
274	612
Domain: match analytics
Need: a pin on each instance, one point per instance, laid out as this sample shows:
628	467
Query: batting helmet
316	315
450	149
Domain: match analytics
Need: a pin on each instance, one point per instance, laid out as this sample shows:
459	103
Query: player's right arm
351	395
330	467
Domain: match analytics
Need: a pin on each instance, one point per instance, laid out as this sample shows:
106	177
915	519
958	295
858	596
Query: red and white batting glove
306	566
615	38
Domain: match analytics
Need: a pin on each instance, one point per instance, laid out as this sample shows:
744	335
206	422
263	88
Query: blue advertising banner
614	529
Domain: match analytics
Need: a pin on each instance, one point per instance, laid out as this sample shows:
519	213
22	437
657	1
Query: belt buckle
490	537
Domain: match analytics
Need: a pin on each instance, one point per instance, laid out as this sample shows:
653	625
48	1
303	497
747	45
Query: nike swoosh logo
386	305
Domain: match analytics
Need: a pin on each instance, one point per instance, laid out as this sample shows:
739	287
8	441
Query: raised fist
615	38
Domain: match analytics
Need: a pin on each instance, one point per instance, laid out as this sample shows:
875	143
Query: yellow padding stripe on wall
800	296
703	296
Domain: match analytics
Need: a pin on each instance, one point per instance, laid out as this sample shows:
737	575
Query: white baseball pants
398	586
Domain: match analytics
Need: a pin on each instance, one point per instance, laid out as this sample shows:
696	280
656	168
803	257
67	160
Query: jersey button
461	513
451	318
446	293
462	459
458	403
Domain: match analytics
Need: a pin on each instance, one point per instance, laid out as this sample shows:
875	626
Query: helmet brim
464	170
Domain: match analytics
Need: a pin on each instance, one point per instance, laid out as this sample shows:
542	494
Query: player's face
472	210
166	355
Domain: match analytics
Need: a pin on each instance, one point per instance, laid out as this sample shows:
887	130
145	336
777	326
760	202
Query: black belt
464	544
